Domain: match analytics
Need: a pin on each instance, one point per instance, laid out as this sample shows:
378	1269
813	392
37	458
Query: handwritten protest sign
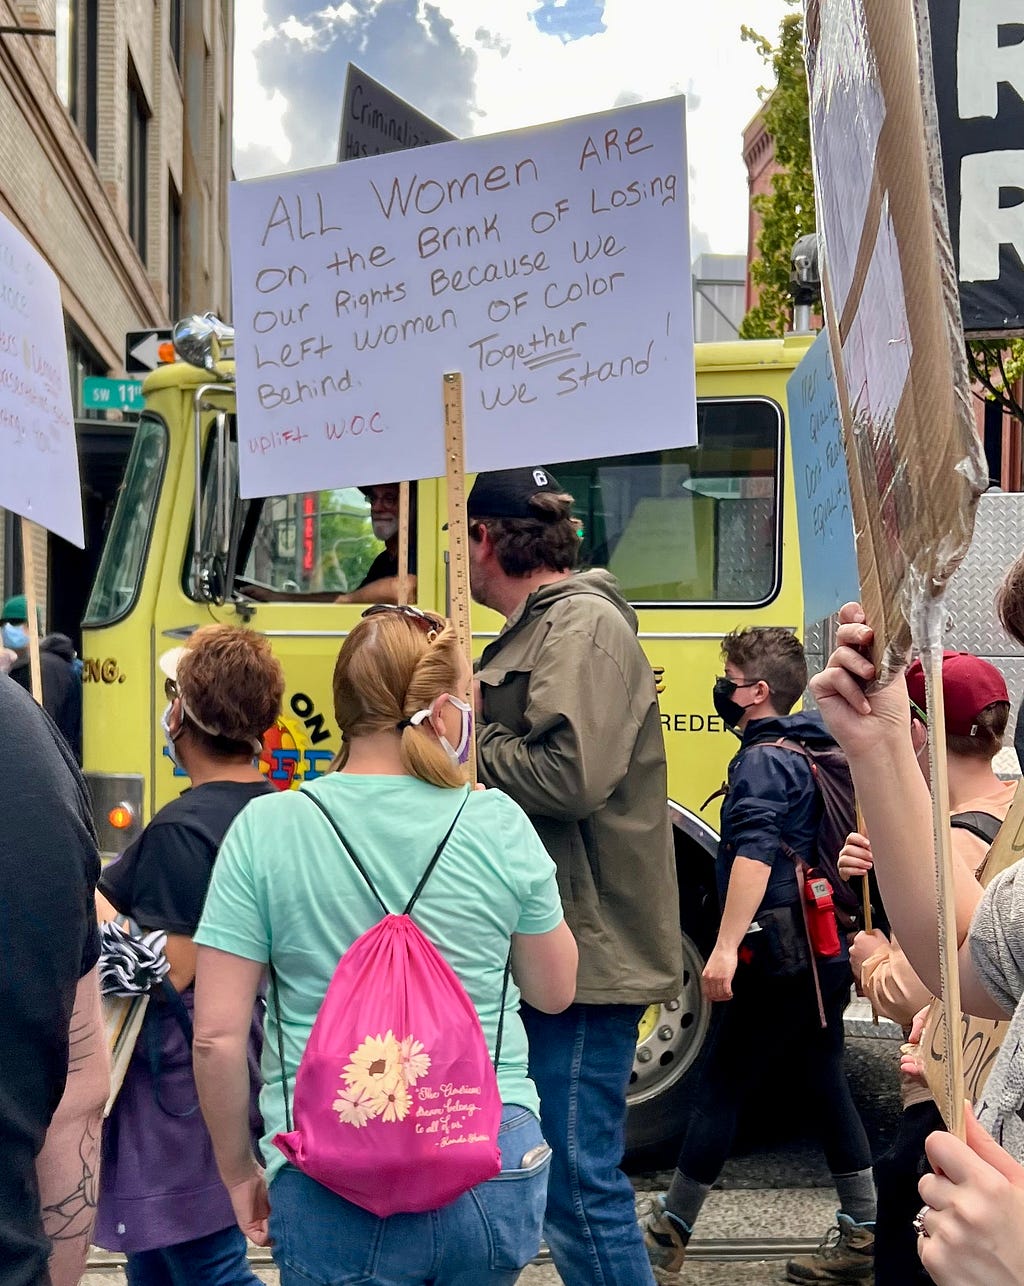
39	475
828	556
549	266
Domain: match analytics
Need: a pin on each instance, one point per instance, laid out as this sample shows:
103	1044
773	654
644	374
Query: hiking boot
665	1237
846	1255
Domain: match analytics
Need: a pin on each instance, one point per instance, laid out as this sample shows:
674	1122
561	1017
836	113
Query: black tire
670	1049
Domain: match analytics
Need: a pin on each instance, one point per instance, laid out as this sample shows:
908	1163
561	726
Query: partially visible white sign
38	451
550	266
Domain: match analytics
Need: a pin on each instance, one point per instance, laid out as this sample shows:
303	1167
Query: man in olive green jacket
569	727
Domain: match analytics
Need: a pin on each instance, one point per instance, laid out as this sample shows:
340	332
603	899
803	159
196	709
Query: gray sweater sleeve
997	937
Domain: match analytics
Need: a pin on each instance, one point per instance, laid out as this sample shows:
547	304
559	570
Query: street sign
142	350
375	120
99	394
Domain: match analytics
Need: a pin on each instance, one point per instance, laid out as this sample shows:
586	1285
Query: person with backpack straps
389	862
976	705
760	970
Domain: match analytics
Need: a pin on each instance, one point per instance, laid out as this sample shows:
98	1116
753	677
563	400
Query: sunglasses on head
171	689
426	621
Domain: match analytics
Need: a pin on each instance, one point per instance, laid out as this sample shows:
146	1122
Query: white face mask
170	737
457	754
384	528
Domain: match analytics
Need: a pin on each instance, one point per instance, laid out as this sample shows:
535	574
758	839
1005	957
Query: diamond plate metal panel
971	623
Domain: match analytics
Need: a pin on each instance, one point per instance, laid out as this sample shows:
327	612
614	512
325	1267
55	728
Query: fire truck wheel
670	1040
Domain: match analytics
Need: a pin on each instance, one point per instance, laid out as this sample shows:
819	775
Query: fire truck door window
311	542
119	574
690	526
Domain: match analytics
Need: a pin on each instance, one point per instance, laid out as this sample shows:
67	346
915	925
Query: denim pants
215	1260
580	1061
483	1238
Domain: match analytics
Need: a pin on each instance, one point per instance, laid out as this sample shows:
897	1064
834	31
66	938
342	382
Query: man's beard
384	528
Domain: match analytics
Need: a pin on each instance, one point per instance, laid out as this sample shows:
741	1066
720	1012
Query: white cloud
258	112
521	76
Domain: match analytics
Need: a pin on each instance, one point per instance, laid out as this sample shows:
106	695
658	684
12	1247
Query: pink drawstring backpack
396	1099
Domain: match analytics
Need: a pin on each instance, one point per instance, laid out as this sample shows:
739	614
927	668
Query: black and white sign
142	350
978	57
374	120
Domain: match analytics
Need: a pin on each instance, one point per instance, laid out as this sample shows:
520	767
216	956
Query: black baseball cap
506	493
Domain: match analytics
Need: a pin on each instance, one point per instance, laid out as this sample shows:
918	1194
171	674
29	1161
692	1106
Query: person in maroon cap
568	725
976	706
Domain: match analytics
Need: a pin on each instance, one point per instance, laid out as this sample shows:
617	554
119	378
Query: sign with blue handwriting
828	555
550	266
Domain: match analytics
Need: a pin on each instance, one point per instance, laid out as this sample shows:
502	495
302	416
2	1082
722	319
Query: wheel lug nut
643	1055
672	1006
665	1033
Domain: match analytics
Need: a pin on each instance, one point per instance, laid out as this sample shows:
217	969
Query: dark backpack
831	775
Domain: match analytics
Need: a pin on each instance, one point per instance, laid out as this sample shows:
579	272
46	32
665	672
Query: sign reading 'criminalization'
550	267
39	470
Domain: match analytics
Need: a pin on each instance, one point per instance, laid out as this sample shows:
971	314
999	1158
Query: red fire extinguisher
821	921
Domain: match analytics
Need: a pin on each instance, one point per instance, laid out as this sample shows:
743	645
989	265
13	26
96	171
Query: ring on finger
918	1222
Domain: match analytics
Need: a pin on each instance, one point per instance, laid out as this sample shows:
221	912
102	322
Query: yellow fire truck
702	539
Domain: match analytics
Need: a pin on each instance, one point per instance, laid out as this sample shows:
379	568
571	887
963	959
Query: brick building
759	158
115	156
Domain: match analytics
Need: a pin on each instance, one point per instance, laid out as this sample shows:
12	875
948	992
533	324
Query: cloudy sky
480	66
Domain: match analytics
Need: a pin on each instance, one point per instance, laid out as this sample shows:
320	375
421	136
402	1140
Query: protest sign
915	461
979	90
550	267
828	557
39	477
374	120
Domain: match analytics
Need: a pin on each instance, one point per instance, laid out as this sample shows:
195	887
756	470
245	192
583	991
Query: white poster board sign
38	451
550	266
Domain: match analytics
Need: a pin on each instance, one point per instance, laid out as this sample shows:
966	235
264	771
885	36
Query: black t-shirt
386	564
161	879
48	940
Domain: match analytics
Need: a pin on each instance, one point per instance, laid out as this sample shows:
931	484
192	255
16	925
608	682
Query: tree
787	212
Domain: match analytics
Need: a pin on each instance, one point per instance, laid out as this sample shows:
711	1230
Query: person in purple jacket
162	1202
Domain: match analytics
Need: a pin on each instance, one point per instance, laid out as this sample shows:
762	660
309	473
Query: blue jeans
215	1260
483	1238
580	1061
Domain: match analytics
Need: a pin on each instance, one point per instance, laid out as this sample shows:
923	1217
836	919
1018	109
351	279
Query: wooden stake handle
953	1066
403	543
28	559
458	527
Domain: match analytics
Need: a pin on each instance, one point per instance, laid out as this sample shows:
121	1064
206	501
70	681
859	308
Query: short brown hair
1010	600
987	739
388	668
773	655
524	545
229	680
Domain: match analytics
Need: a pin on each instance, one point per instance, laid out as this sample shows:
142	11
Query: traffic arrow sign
141	349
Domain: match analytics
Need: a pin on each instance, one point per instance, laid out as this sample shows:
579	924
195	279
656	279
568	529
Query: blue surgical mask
15	636
170	737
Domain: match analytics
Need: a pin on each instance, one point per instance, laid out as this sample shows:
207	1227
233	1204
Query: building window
138	125
83	361
77	24
176	30
173	252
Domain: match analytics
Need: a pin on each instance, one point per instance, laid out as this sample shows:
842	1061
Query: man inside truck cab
380	584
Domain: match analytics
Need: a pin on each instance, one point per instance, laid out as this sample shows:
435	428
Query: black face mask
728	710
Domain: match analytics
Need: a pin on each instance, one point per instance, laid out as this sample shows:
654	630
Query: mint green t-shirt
283	888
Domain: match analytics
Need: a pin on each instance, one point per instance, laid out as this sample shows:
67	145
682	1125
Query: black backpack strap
164	998
348	848
983	825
